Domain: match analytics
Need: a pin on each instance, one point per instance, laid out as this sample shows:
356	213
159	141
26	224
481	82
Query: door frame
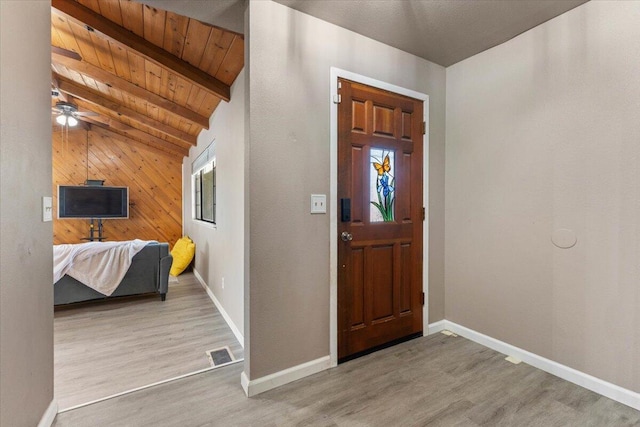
333	197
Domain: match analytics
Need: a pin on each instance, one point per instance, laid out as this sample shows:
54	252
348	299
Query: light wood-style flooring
109	347
431	381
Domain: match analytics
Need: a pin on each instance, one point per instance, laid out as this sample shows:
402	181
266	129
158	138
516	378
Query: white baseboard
49	415
220	308
277	379
607	389
244	382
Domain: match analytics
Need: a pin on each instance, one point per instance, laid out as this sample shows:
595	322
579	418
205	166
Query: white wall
290	56
220	248
543	133
26	251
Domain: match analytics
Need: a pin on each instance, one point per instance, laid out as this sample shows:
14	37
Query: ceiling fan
67	113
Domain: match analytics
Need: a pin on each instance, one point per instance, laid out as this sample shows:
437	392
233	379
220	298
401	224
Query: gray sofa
149	272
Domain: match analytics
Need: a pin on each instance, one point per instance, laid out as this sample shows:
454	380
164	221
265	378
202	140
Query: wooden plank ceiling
150	75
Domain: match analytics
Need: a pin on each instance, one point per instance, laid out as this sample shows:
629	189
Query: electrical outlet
223	283
318	203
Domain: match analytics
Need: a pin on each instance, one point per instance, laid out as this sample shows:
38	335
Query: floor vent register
220	356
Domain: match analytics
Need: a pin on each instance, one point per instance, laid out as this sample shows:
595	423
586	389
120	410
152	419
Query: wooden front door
380	217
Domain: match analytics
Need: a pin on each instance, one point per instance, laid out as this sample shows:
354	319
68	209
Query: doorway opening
107	348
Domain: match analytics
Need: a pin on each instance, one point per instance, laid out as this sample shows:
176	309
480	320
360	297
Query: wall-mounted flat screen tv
93	202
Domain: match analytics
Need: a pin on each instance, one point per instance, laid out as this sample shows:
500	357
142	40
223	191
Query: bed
81	273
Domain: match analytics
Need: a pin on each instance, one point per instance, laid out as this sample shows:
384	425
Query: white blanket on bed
99	265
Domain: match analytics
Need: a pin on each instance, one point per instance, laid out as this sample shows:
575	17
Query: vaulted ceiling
156	76
440	31
151	75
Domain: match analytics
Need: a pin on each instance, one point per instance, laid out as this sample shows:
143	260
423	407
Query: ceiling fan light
72	121
61	119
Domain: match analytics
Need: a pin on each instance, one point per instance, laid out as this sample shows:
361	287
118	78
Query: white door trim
333	212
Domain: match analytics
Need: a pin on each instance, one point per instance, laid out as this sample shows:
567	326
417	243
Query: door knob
346	236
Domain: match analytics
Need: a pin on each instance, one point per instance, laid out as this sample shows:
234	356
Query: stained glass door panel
382	185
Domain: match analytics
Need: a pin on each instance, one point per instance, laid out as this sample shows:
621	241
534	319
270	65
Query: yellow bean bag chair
182	253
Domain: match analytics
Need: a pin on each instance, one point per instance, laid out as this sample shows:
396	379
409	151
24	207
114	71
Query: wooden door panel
407	118
383	121
357	182
357	297
403	180
379	166
405	278
359	120
381	267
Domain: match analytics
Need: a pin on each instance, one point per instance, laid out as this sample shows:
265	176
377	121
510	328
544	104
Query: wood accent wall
153	177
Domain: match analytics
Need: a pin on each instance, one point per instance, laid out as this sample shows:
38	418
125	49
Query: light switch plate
47	209
318	203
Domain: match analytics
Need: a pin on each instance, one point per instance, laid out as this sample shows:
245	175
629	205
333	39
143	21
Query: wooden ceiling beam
123	127
135	134
117	125
89	95
151	52
65	52
55	84
130	88
140	135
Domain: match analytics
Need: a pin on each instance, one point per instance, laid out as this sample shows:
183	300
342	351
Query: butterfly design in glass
383	200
